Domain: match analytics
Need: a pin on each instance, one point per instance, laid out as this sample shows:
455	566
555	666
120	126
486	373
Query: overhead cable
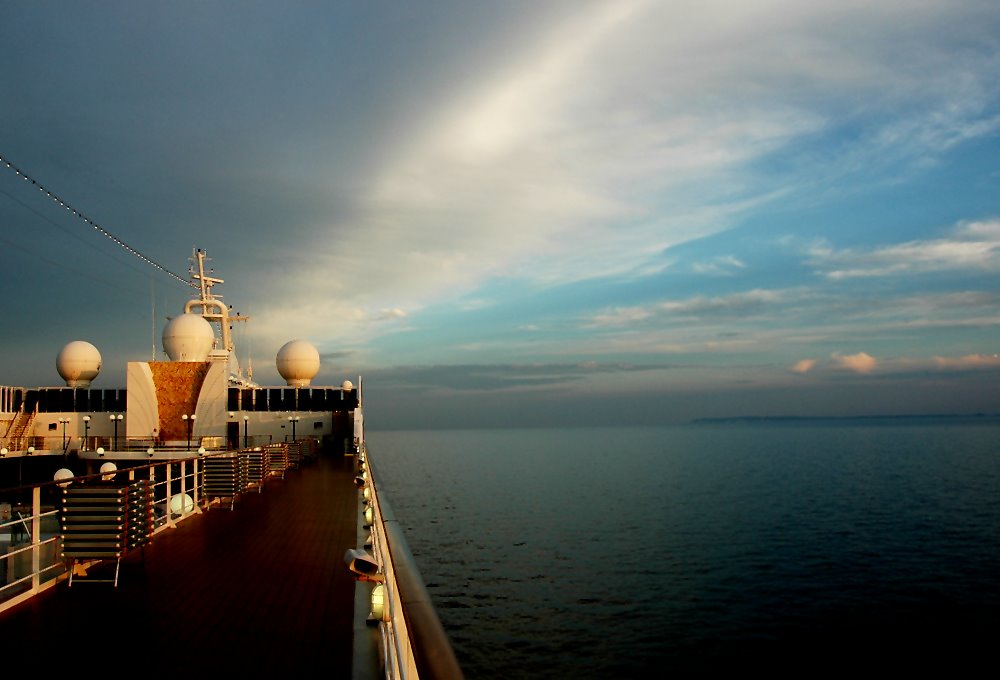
95	225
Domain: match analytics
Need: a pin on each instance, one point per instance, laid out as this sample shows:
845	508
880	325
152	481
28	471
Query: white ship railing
29	522
414	643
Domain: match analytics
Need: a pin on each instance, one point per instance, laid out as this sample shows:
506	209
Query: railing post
170	514
183	491
194	482
36	538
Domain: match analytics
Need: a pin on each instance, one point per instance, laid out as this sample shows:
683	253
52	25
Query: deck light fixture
116	418
65	422
189	419
180	504
100	452
362	563
108	471
61	474
86	431
379	610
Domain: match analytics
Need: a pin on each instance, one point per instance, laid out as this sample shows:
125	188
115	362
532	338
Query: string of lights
101	230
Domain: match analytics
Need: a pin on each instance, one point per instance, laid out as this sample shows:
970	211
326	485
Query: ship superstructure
200	398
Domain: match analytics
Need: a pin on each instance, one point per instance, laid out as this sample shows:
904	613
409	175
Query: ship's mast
213	309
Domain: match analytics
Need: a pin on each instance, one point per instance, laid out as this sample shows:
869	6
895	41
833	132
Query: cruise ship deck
262	587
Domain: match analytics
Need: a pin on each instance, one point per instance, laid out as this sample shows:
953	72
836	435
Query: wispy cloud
623	129
736	304
972	245
970	362
803	365
723	265
858	363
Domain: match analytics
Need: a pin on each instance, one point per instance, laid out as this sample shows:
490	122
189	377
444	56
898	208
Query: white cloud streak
971	246
629	128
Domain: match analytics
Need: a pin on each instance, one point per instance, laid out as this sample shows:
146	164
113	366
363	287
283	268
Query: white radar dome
188	337
298	363
78	363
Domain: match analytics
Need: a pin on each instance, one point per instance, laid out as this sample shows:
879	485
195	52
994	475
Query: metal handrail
428	643
42	576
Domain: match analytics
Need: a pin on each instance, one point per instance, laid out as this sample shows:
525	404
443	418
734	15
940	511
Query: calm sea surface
793	548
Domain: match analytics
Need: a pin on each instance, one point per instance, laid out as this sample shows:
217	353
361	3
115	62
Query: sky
519	213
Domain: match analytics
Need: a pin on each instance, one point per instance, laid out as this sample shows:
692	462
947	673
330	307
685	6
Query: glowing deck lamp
181	504
108	471
63	473
100	452
3	452
379	611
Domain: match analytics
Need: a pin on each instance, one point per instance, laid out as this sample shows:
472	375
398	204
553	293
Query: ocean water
794	548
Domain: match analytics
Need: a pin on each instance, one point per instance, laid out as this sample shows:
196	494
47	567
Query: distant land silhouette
804	419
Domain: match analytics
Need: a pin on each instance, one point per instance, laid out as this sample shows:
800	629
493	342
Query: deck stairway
14	439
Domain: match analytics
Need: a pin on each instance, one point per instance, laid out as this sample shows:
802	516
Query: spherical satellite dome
188	337
78	363
297	362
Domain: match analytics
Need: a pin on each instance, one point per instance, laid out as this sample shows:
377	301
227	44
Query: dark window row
79	400
319	399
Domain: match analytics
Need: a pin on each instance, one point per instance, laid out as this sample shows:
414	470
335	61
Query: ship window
52	426
305	399
234	399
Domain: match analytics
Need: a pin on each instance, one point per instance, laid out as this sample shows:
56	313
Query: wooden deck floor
260	588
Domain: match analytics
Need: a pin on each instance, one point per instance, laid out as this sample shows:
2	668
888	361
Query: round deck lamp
379	611
63	473
181	503
108	471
